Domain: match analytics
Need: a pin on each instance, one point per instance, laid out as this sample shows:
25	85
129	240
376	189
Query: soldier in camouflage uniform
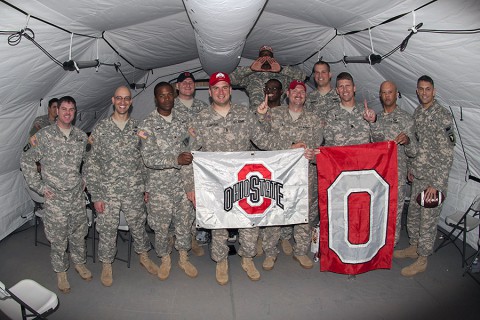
274	92
114	179
46	120
254	81
294	127
324	97
397	125
346	122
164	148
60	149
433	126
186	102
226	127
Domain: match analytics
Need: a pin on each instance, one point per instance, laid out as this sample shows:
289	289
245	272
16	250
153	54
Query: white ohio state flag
252	188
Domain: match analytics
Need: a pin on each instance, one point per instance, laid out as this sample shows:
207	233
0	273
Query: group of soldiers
144	168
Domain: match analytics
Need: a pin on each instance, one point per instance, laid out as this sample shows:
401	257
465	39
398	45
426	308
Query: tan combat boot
287	247
221	272
259	247
249	267
418	266
84	273
148	264
410	252
268	263
196	249
186	265
304	261
106	277
62	282
164	270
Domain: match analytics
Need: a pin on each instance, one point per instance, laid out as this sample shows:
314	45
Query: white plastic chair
38	211
27	299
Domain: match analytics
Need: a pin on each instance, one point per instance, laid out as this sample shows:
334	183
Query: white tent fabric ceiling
153	40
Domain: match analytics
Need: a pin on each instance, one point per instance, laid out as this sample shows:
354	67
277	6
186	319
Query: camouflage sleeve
376	131
328	132
153	156
237	77
293	73
93	169
411	148
29	167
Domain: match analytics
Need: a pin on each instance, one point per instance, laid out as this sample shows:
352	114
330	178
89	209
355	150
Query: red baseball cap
217	77
266	48
296	83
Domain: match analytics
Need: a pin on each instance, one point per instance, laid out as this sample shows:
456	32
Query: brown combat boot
259	247
164	270
268	263
410	252
287	247
249	267
186	265
84	273
106	277
148	264
221	272
196	248
418	266
304	261
62	282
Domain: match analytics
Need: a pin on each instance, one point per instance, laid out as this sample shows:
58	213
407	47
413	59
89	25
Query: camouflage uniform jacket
39	123
434	132
387	127
60	157
213	133
344	128
285	131
319	104
162	142
197	106
114	164
254	82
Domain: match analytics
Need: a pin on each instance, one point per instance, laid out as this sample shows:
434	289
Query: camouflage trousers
65	223
170	207
302	233
400	204
422	223
247	238
107	223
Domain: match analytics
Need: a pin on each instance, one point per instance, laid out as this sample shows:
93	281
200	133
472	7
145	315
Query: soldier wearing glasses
114	171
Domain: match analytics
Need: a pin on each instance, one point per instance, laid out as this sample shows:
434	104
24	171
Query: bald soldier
395	124
115	180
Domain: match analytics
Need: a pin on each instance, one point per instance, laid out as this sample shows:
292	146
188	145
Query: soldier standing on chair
114	172
164	148
433	129
186	102
60	149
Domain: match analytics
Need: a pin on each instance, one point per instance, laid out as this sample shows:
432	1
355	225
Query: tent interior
139	43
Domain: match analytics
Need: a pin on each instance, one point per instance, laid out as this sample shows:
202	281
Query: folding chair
463	222
27	300
123	228
469	269
38	211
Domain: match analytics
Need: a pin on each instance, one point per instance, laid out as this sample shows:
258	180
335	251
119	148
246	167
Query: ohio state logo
254	191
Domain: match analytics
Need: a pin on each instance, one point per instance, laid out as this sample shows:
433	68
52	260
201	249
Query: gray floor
286	292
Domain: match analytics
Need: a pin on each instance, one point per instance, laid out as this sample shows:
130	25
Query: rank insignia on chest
142	134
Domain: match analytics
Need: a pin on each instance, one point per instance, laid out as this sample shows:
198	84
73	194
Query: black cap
185	75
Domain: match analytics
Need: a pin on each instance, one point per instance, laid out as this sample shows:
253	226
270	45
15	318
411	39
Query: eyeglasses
126	99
